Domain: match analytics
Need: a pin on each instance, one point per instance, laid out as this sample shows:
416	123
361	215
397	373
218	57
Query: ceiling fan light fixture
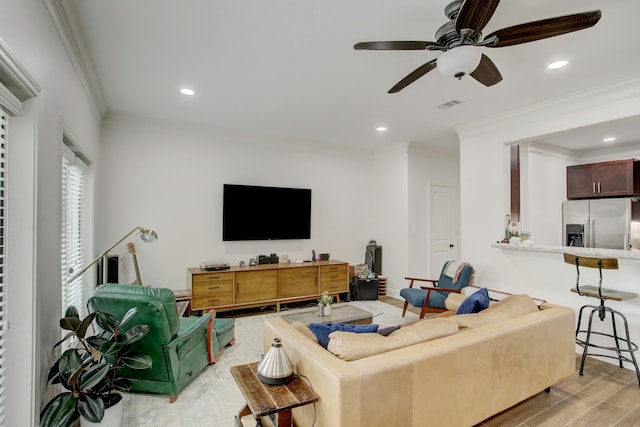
459	61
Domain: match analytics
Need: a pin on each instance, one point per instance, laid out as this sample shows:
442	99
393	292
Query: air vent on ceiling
449	104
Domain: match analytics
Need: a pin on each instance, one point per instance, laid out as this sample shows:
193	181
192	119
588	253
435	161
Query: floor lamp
148	236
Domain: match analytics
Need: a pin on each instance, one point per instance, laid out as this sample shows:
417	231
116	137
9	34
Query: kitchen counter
608	253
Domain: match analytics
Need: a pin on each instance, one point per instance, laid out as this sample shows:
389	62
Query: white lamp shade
459	61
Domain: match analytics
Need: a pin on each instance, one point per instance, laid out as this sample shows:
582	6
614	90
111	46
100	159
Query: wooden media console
266	284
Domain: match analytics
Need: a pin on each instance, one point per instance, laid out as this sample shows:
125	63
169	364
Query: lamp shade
275	368
459	61
148	236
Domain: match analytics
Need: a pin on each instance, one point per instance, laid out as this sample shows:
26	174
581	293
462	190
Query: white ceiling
286	69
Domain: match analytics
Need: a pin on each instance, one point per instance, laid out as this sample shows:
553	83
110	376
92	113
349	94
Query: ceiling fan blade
475	14
393	45
413	76
487	73
538	30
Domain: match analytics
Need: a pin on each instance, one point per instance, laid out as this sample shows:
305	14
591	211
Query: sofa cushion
515	305
350	346
322	330
475	302
508	308
305	330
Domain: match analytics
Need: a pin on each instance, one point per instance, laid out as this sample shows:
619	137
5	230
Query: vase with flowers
325	302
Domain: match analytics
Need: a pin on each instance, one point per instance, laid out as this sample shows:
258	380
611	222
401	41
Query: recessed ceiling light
609	139
381	128
557	64
186	91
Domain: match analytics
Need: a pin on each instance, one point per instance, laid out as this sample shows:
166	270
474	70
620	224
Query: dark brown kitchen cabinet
616	178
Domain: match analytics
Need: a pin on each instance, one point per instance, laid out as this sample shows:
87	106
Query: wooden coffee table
343	313
270	404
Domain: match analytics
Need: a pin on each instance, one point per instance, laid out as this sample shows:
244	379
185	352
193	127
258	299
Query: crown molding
17	84
618	91
63	15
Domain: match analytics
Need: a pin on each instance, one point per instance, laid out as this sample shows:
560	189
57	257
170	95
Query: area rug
213	398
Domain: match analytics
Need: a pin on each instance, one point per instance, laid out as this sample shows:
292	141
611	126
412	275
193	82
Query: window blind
4	122
72	256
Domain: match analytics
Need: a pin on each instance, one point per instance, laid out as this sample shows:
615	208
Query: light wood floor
605	396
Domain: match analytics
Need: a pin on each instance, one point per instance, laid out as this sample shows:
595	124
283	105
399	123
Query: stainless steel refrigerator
601	223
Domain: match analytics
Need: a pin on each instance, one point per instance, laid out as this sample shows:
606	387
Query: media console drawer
255	286
334	278
211	289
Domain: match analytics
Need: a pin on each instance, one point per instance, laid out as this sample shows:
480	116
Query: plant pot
326	310
112	417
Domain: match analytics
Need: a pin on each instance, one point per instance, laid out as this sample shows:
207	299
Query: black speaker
112	270
373	257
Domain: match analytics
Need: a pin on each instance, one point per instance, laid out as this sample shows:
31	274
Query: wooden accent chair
431	298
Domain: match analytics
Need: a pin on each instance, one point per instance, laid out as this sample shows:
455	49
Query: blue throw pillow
475	302
322	330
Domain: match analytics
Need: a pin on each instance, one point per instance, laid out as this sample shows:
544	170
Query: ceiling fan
460	40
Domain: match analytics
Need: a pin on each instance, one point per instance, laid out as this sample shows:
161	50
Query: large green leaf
96	342
93	376
107	322
81	331
59	412
135	333
69	323
111	347
68	366
91	408
137	361
128	316
72	311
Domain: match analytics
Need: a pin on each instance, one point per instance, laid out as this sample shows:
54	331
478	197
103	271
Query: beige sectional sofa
495	359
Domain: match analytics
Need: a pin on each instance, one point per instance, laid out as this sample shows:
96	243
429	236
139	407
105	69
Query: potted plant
325	301
89	370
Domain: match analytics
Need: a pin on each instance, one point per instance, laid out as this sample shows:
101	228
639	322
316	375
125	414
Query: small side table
270	404
183	302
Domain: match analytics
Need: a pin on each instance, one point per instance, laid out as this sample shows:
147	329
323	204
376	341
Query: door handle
450	245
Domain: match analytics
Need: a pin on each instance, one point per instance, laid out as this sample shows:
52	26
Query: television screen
252	212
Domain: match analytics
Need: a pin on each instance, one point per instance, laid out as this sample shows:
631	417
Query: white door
441	228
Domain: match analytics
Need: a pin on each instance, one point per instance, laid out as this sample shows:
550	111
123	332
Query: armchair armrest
434	288
412	279
212	321
189	337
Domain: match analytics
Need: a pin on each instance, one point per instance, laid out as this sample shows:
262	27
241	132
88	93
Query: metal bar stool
583	336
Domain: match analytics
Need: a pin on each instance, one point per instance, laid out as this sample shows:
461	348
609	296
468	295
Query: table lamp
275	368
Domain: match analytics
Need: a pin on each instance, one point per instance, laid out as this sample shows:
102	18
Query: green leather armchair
180	347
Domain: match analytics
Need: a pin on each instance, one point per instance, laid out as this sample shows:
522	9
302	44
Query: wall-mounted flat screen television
253	212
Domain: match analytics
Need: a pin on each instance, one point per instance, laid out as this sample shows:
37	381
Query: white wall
546	190
170	179
483	200
35	307
389	209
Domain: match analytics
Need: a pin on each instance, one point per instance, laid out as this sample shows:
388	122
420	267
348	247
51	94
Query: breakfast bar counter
633	254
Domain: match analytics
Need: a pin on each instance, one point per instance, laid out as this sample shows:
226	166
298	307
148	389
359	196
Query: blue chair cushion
415	296
475	302
322	330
